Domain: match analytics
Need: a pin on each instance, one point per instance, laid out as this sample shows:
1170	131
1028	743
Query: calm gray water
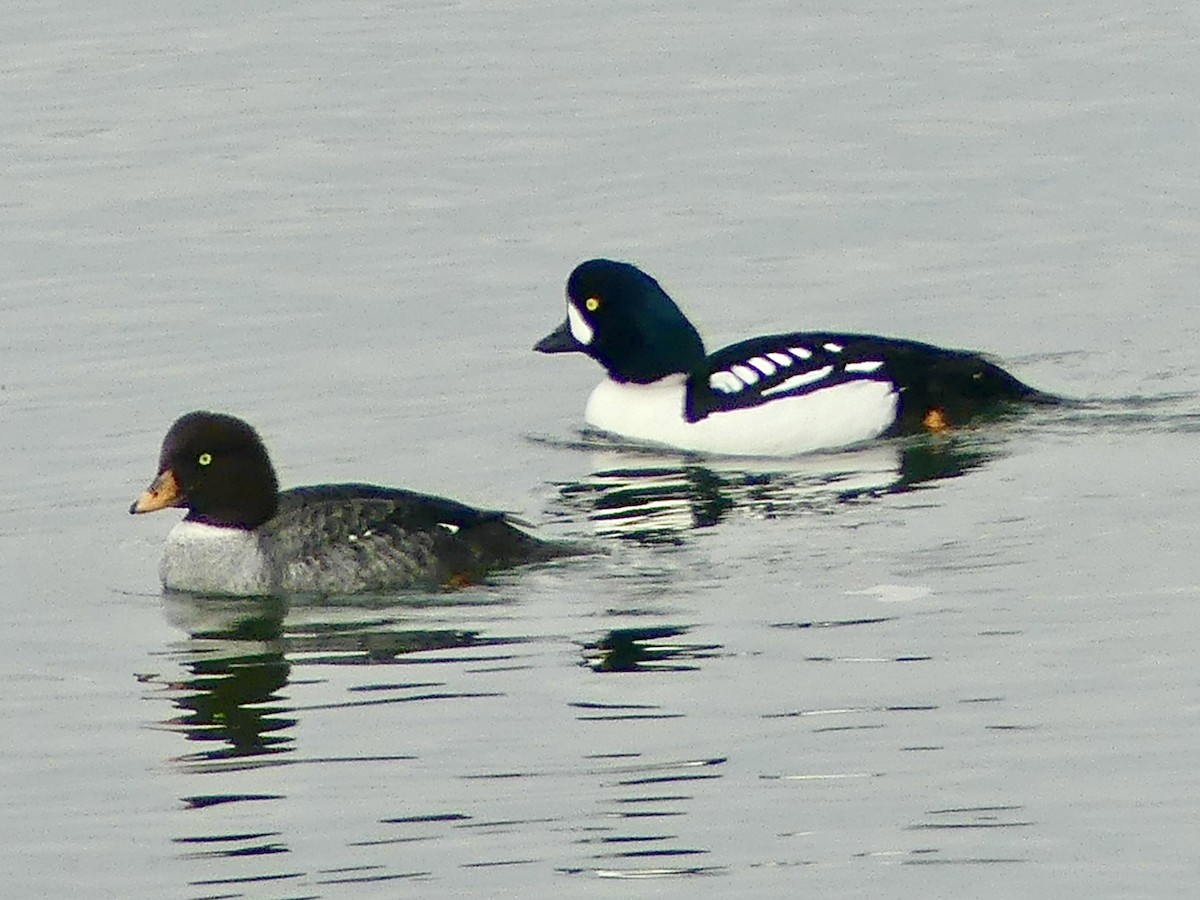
959	668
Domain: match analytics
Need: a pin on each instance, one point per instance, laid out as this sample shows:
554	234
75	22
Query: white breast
206	559
826	419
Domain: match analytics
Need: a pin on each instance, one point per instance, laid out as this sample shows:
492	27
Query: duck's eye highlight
592	303
205	459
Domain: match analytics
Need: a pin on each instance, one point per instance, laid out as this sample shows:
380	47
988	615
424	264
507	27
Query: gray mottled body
347	539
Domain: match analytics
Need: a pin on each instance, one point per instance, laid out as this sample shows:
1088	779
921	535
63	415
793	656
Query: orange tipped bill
163	493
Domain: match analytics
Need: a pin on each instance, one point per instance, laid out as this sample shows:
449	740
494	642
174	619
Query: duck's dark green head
217	468
619	316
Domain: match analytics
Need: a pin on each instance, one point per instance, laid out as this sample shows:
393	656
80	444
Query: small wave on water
1165	413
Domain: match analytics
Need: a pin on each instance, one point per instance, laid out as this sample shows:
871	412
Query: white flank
782	358
799	380
208	559
867	366
833	348
580	329
825	419
800	352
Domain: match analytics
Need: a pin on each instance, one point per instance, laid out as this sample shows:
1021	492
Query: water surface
931	668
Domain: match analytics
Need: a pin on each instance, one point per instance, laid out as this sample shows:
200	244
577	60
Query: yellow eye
205	459
592	303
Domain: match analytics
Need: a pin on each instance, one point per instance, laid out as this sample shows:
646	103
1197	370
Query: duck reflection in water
649	649
646	497
229	699
240	655
238	698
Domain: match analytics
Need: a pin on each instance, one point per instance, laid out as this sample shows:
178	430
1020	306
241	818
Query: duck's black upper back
958	384
415	510
381	529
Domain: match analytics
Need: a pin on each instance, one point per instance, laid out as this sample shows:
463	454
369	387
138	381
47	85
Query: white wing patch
449	526
740	376
745	373
725	382
865	366
799	380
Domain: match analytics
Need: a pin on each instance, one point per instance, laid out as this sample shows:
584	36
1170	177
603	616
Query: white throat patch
580	329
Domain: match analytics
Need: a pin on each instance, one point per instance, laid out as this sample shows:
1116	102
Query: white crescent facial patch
580	329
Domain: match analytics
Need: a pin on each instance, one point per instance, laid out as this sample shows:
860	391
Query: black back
959	385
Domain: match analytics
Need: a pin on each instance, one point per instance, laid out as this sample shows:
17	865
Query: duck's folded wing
368	504
757	371
389	536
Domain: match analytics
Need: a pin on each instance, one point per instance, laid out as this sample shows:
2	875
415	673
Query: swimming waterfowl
242	536
775	395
